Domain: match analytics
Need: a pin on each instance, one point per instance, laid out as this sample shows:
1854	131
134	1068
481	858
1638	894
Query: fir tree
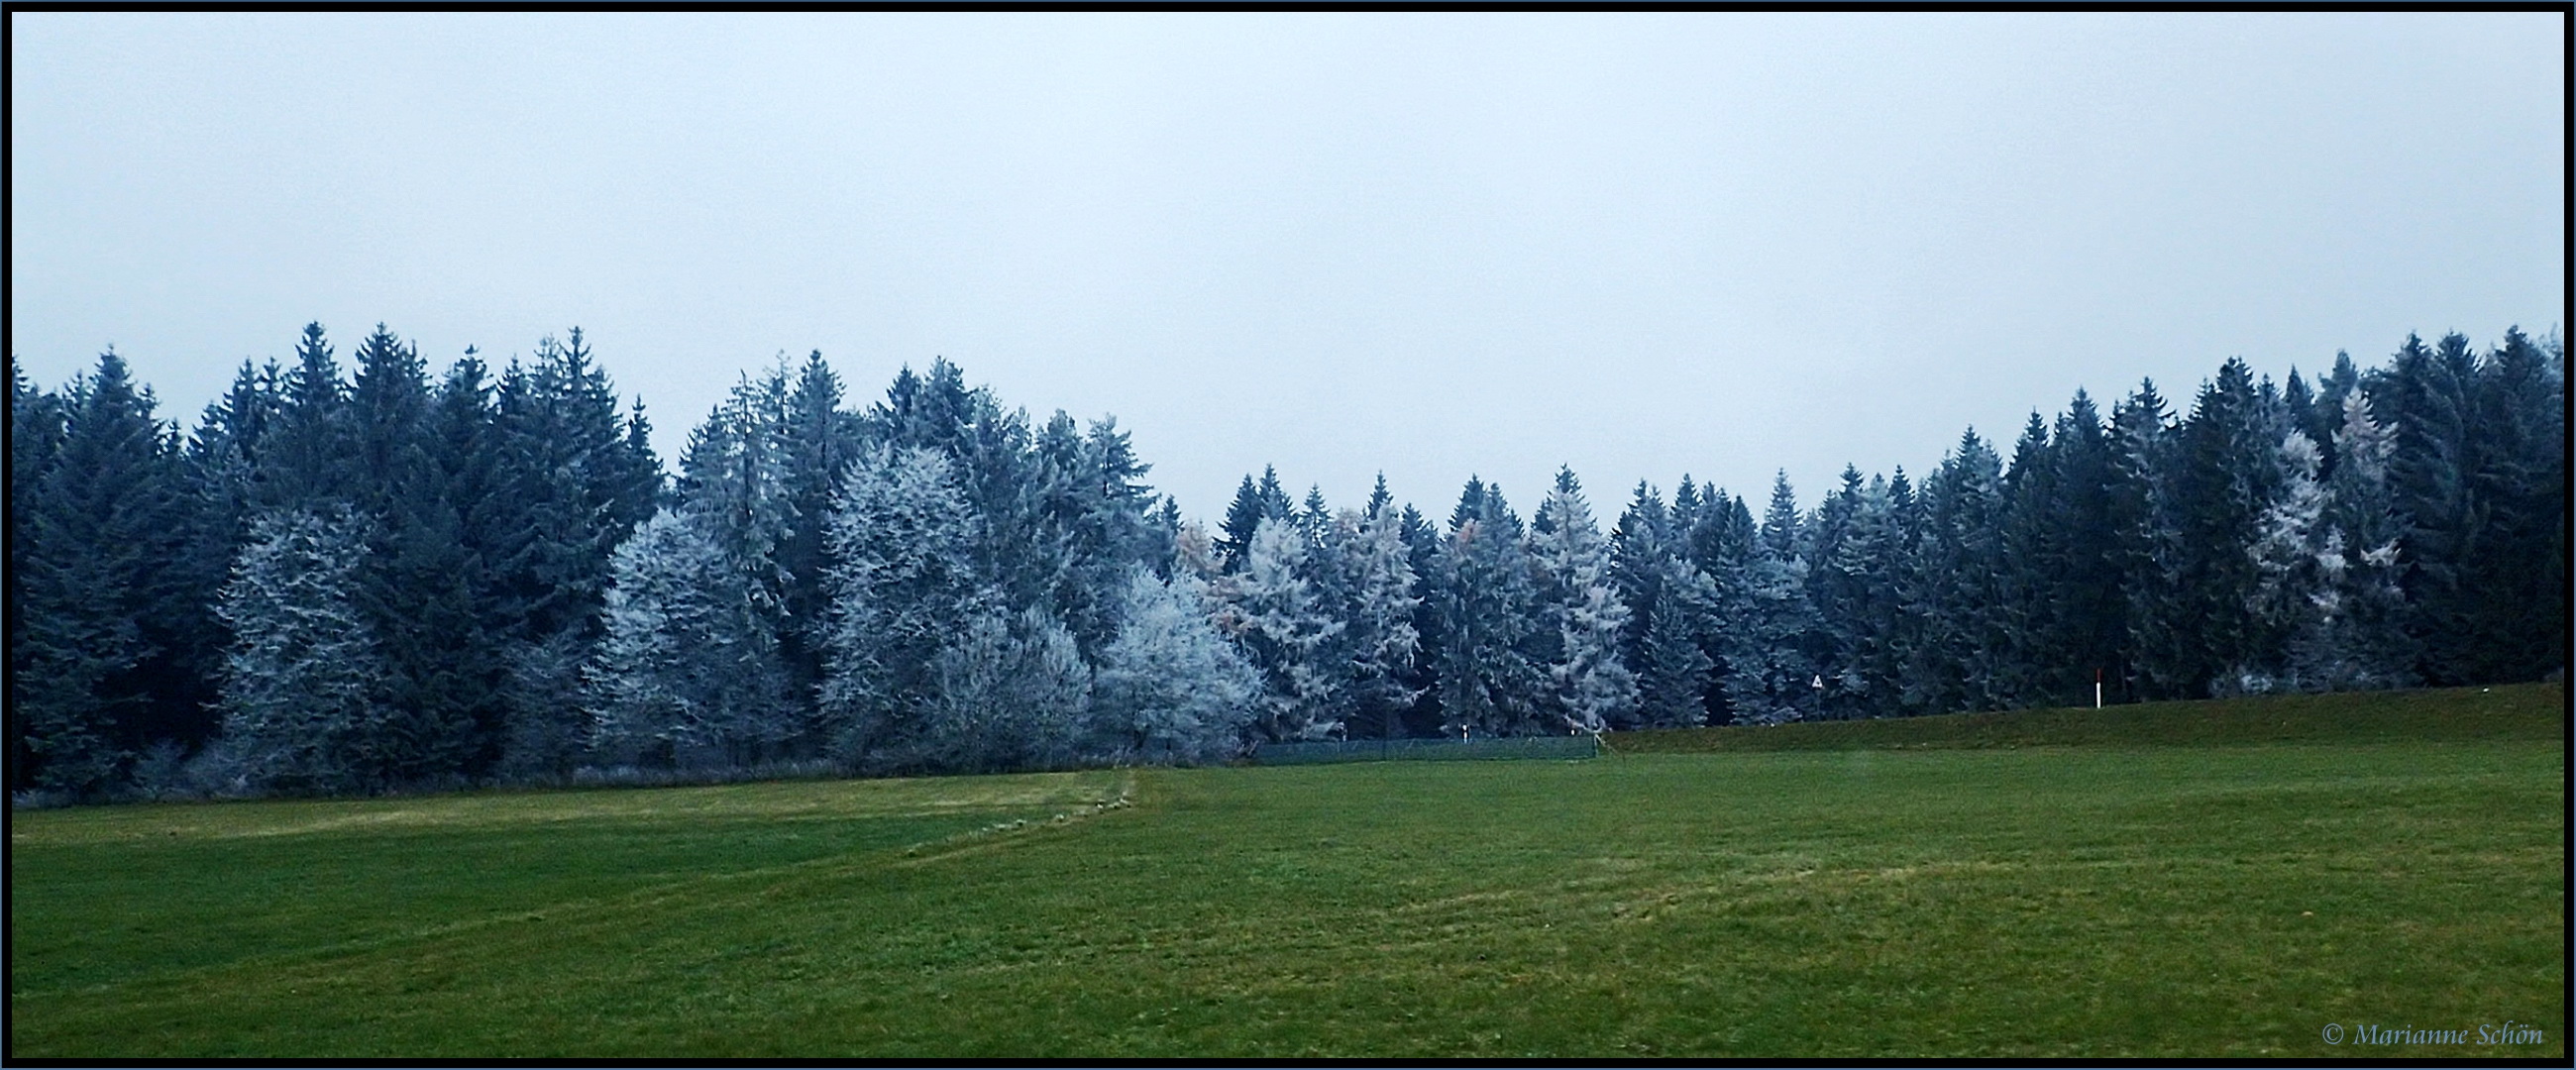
688	674
101	523
1288	637
1579	603
1485	596
903	584
2360	638
299	685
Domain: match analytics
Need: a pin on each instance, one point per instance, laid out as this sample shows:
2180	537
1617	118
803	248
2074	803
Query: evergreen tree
2149	549
688	674
1288	637
100	525
222	469
1673	671
2426	393
818	439
311	459
1769	676
903	584
1485	596
2291	580
571	479
415	587
298	697
1378	607
1580	605
2088	632
2359	637
2029	598
2515	574
35	441
2223	482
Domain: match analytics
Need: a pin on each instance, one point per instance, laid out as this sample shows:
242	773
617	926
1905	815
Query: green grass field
2219	879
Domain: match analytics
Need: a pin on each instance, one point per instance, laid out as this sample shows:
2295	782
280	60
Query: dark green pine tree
463	440
98	543
1837	593
2031	662
1253	503
1670	602
2089	623
223	461
1723	544
574	480
1641	541
821	439
35	443
1485	593
2516	575
2222	485
2149	550
1955	585
1422	547
312	456
414	586
2427	395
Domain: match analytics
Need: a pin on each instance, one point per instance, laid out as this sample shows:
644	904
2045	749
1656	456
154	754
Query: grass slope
2128	898
2524	711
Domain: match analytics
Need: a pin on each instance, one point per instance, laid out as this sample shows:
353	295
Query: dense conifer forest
384	580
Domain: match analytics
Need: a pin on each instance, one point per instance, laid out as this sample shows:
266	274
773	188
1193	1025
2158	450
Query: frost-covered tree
2359	638
688	675
1376	606
298	696
1673	670
2293	585
1484	593
1169	688
1013	693
904	583
1766	624
1577	599
1284	629
737	478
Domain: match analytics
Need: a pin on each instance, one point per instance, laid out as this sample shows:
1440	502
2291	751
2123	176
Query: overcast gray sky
1430	244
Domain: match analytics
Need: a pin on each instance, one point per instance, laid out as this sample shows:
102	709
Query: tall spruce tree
299	698
1581	612
903	583
98	564
688	674
1483	588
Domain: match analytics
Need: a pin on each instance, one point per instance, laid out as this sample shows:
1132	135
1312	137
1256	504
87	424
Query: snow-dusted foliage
2359	636
1379	642
2287	553
1769	677
1488	682
1282	626
1013	693
338	586
297	700
903	586
688	675
1593	689
1169	687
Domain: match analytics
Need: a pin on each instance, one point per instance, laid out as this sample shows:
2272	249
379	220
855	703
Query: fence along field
2020	886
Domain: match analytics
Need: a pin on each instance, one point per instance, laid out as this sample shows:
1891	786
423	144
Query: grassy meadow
2210	879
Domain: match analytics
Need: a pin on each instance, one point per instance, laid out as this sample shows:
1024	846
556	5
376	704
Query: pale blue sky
1432	244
